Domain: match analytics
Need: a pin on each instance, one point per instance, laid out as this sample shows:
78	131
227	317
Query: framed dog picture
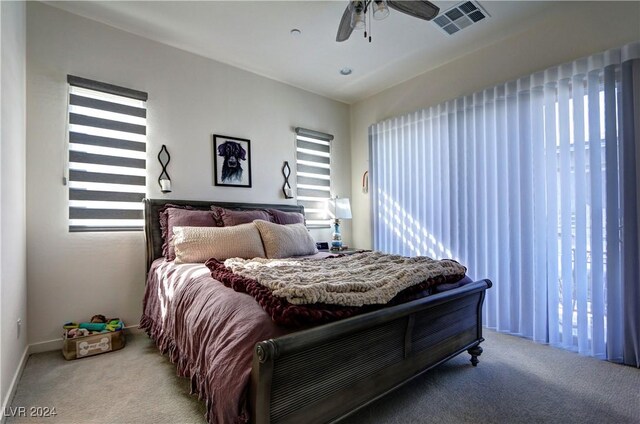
231	161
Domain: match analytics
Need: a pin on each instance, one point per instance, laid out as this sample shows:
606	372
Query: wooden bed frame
325	373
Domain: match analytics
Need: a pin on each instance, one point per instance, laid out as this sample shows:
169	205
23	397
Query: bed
315	375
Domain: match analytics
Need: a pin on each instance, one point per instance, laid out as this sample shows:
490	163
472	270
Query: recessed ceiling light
295	32
346	71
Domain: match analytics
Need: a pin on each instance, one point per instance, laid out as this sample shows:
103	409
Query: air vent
460	16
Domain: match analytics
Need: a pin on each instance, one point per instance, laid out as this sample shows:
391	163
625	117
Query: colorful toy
99	324
77	332
93	326
113	324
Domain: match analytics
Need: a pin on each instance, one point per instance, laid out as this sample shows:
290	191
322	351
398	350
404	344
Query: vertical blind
520	183
107	156
313	175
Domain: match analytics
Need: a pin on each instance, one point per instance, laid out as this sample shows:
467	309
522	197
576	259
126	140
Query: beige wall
72	276
13	274
574	30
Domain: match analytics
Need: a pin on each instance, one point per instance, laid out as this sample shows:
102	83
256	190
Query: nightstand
349	251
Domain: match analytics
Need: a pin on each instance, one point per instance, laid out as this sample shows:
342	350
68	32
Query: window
522	183
313	175
107	156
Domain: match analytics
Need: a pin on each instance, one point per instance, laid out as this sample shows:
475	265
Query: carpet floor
517	381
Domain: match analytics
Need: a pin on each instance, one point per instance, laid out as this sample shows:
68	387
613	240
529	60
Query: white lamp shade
341	208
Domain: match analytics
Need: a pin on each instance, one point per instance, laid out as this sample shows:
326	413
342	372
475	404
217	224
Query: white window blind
313	175
107	156
521	183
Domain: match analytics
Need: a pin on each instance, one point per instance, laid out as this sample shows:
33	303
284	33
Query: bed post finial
267	350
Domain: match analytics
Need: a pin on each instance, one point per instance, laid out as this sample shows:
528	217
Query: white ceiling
255	35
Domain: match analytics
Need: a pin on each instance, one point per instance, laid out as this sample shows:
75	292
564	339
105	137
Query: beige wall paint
574	30
72	276
13	273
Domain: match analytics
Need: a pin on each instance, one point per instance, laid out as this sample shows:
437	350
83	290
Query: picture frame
231	161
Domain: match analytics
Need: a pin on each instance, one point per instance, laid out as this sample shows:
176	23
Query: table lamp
341	209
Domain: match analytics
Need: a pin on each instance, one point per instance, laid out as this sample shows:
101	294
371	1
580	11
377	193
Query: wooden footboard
325	373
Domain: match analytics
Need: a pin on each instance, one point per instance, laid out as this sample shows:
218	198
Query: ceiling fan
354	16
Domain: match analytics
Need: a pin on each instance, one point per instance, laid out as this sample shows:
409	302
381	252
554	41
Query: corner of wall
13	273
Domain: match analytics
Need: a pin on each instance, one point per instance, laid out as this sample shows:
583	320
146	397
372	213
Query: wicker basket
93	344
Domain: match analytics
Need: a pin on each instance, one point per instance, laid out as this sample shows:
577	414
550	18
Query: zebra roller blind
313	175
107	156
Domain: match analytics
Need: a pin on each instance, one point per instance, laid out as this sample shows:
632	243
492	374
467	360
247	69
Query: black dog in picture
232	153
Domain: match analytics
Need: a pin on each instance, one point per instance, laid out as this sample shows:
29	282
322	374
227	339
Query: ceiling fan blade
344	29
418	9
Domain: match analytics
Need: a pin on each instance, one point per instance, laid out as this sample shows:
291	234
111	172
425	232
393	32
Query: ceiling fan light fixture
354	15
380	9
358	17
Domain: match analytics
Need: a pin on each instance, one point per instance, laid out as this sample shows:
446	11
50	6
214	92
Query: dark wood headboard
153	235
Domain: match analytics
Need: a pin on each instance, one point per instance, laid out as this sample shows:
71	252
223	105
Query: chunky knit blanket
365	278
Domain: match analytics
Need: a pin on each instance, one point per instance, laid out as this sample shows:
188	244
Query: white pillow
283	241
197	244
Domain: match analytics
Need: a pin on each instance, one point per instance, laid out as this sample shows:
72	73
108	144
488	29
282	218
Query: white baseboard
47	346
6	402
133	329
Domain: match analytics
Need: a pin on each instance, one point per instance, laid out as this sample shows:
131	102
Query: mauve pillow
283	241
164	228
185	218
230	217
284	218
197	244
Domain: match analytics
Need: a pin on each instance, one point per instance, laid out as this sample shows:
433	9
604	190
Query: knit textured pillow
197	244
283	241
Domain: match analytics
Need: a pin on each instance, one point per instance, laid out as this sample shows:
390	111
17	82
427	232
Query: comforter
311	291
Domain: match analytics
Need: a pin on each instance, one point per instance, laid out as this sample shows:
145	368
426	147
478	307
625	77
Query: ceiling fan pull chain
369	21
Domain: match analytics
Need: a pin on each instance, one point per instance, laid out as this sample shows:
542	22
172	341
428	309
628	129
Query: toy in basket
100	335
